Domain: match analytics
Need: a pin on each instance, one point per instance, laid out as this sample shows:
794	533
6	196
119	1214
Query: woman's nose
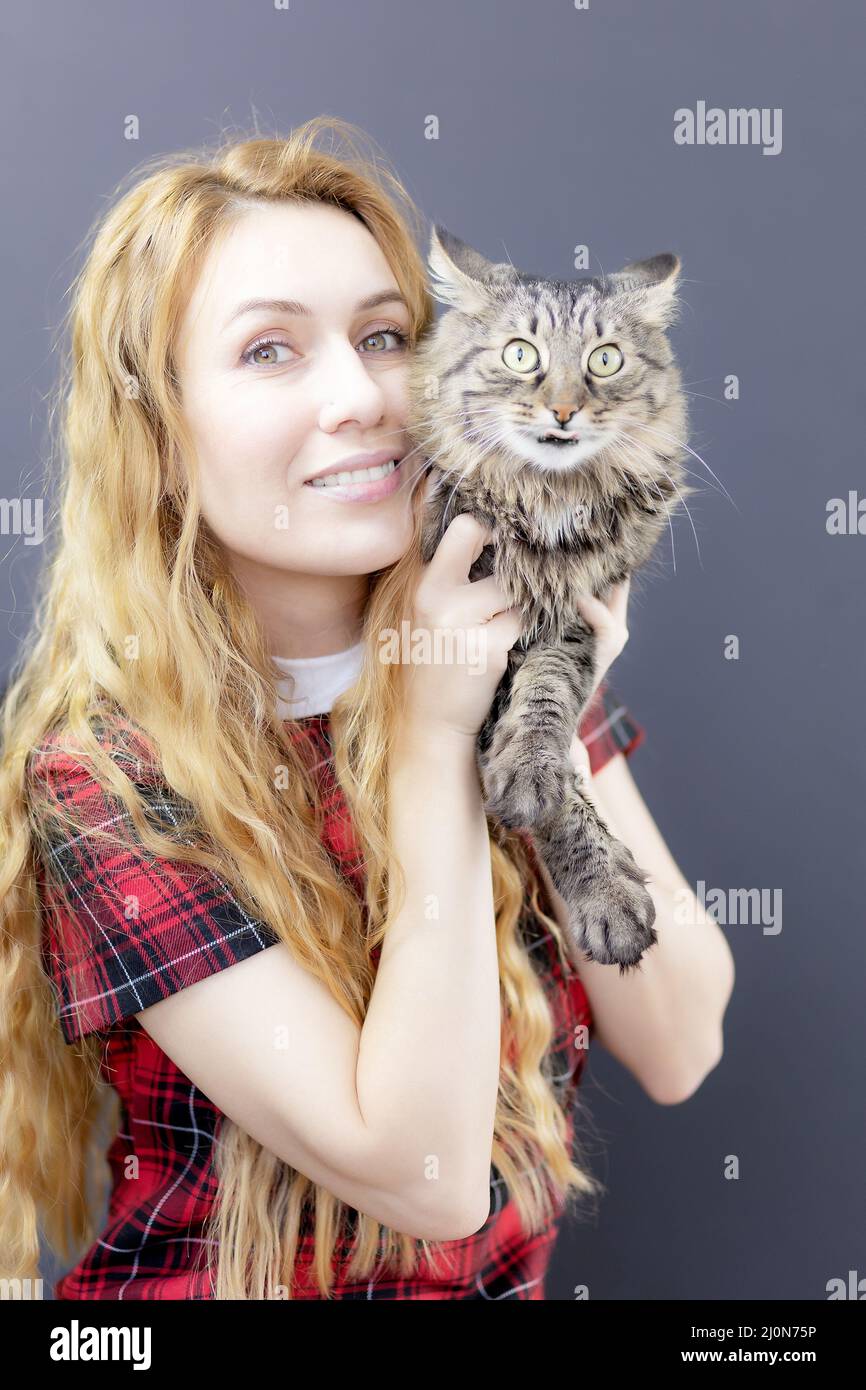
348	390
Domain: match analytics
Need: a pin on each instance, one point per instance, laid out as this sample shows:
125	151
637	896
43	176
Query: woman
206	765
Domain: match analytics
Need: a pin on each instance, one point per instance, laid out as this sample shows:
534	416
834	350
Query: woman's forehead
291	252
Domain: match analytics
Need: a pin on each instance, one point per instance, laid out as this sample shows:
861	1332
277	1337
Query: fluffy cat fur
567	518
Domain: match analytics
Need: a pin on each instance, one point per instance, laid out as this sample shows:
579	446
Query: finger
482	600
458	549
578	751
618	600
579	757
505	628
596	613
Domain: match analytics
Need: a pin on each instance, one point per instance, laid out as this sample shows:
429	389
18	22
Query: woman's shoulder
63	753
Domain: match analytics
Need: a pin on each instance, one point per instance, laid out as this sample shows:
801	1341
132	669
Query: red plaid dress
105	968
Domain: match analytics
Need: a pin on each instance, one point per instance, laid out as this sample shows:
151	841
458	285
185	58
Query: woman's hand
453	695
608	621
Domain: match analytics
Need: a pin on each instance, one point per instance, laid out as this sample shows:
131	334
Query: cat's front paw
611	914
525	782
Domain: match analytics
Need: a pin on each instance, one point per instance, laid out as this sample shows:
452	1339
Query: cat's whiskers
459	415
455	415
489	439
655	463
687	511
664	435
428	459
705	397
689	471
620	435
485	444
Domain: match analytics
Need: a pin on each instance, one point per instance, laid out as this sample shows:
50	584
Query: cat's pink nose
563	411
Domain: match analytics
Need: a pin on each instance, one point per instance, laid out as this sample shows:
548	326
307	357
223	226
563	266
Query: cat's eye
520	355
605	361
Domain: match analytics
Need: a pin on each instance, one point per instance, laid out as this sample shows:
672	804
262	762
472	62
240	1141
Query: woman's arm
662	1021
428	1064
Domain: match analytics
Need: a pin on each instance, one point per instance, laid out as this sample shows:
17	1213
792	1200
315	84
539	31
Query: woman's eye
402	338
605	361
265	345
268	348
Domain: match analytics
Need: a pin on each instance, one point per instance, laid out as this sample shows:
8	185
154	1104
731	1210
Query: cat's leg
610	912
523	746
529	781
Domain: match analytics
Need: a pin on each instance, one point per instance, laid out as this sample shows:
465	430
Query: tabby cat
553	411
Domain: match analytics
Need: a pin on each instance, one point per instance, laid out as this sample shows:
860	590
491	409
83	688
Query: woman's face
277	393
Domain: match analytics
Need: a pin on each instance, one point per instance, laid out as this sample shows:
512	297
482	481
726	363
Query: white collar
316	681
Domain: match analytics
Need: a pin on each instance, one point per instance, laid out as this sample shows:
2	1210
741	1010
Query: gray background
556	128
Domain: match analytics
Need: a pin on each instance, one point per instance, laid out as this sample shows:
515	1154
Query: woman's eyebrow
294	306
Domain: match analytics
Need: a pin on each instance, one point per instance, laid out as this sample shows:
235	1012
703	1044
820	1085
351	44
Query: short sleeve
136	928
607	728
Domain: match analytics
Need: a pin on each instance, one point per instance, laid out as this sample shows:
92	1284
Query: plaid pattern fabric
145	928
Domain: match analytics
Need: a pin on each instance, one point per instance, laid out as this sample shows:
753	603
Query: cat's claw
611	915
526	793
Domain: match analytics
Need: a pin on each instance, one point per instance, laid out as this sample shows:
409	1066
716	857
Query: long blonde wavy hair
131	553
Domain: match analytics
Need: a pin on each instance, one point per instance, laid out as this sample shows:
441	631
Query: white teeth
357	475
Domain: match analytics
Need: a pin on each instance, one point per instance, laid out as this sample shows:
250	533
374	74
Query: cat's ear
653	284
462	277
